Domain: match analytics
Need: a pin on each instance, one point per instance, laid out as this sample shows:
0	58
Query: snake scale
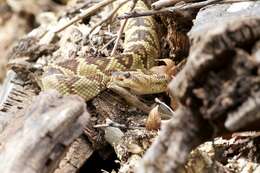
87	77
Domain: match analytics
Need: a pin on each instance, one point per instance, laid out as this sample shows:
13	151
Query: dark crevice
96	163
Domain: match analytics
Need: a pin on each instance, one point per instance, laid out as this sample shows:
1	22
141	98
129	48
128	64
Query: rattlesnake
87	77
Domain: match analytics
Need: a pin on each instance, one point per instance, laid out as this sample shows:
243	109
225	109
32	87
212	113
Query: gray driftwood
47	128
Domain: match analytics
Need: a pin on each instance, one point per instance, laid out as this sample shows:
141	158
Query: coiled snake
87	77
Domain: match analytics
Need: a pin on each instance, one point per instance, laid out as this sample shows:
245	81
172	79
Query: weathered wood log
47	128
216	87
76	155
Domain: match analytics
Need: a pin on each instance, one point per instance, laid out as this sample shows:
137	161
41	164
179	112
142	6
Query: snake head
123	79
139	82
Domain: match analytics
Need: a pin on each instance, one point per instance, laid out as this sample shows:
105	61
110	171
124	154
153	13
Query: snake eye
127	75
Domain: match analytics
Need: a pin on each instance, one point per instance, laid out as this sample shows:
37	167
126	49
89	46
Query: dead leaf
153	121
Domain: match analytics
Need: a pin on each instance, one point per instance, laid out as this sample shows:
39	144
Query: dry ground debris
209	49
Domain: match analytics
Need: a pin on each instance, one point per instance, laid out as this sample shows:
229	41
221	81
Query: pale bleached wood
52	123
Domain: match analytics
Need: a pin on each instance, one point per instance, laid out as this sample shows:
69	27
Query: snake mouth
120	76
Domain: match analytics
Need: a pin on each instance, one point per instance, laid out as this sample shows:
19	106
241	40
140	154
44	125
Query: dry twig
109	16
181	7
119	33
108	43
84	14
164	3
130	98
110	123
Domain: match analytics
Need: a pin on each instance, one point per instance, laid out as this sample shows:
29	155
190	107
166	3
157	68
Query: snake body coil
87	77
